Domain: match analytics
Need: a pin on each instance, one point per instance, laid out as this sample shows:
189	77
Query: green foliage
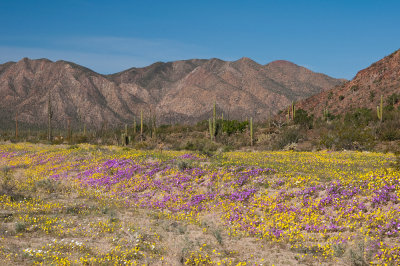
347	136
389	130
7	184
210	128
218	237
371	96
303	119
396	164
379	110
288	136
251	131
202	145
393	99
184	164
341	97
360	117
232	126
20	227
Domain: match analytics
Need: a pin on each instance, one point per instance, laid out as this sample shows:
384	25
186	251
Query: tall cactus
210	128
251	131
124	136
154	126
214	120
16	125
379	109
69	131
49	116
134	125
326	113
293	110
141	125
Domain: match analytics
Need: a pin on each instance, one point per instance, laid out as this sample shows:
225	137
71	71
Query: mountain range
175	92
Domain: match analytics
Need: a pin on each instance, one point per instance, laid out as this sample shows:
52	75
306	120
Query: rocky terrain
180	91
365	90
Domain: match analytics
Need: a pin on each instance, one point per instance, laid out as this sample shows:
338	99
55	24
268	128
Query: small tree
303	119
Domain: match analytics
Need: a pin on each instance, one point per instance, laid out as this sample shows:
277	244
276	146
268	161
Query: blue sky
337	38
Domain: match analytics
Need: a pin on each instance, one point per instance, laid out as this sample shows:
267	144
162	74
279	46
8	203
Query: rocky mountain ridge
364	90
175	92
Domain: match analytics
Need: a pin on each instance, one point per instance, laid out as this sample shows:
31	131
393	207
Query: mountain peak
246	60
281	63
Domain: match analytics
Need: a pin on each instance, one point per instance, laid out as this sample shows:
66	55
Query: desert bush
288	136
7	185
356	255
303	119
48	185
184	164
393	99
348	137
360	117
232	126
389	130
20	227
203	145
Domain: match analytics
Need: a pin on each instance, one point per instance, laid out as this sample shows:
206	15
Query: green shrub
184	164
347	136
7	185
389	130
393	99
232	126
303	119
20	227
288	136
360	117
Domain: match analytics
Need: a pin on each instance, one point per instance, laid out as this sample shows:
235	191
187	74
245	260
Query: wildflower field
106	205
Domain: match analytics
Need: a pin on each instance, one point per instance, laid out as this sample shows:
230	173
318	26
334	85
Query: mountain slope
180	91
381	78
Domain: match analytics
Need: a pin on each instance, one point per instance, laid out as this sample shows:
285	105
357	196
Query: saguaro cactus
325	113
154	125
293	110
69	131
134	125
49	116
16	125
288	115
141	125
379	109
214	120
125	138
210	128
251	131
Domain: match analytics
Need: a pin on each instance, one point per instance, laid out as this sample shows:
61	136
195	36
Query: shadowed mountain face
365	90
180	91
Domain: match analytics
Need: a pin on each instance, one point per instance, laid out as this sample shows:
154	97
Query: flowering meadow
106	205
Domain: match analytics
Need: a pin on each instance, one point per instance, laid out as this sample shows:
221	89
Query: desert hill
364	90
